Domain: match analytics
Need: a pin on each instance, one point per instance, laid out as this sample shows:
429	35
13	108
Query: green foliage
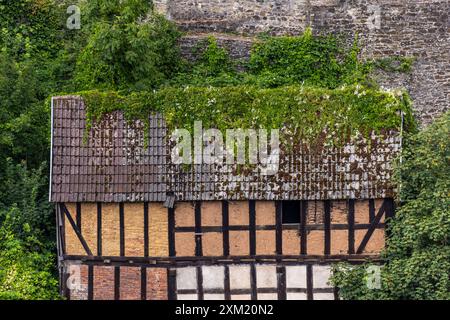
313	60
31	68
26	191
306	110
29	27
418	251
214	60
128	47
309	60
395	64
25	272
212	67
24	118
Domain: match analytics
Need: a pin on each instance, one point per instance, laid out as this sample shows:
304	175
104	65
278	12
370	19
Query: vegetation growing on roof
306	83
308	111
116	50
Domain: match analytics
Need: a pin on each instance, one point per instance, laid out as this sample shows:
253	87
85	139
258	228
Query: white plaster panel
210	296
239	277
267	296
213	277
187	278
266	276
187	297
296	277
241	297
323	296
296	296
321	275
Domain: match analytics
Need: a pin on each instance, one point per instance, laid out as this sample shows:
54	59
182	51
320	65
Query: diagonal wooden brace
76	229
372	228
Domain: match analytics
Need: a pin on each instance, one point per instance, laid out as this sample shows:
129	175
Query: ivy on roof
308	111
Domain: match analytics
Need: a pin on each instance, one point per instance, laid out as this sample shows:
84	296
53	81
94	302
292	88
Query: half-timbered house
132	225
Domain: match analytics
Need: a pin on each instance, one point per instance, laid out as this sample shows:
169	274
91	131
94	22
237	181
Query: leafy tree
31	37
418	250
29	27
25	190
128	46
212	67
25	272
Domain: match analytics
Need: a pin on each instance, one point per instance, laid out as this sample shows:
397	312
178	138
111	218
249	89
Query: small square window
290	212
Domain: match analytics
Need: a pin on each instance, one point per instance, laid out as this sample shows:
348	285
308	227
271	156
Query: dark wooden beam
225	228
192	260
200	283
143	283
146	239
309	282
351	226
99	228
122	229
198	229
303	222
253	283
252	225
78	215
227	285
76	230
371	210
117	283
279	228
172	284
281	279
372	228
327	226
171	235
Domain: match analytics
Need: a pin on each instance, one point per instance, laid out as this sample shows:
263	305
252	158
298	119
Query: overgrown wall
385	28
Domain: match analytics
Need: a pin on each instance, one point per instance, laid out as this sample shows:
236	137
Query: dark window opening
290	212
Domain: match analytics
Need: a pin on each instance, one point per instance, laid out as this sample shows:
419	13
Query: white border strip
51	154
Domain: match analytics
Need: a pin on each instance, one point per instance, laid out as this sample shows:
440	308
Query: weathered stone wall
416	28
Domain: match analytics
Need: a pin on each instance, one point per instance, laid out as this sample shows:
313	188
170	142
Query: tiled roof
112	164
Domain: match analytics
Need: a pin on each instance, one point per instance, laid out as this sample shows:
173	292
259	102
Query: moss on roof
307	111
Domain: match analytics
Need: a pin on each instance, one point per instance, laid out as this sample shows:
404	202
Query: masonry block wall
418	28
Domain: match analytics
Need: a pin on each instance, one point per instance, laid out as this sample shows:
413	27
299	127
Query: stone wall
385	28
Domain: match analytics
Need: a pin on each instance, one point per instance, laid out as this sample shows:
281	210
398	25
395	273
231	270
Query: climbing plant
306	110
417	256
313	60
